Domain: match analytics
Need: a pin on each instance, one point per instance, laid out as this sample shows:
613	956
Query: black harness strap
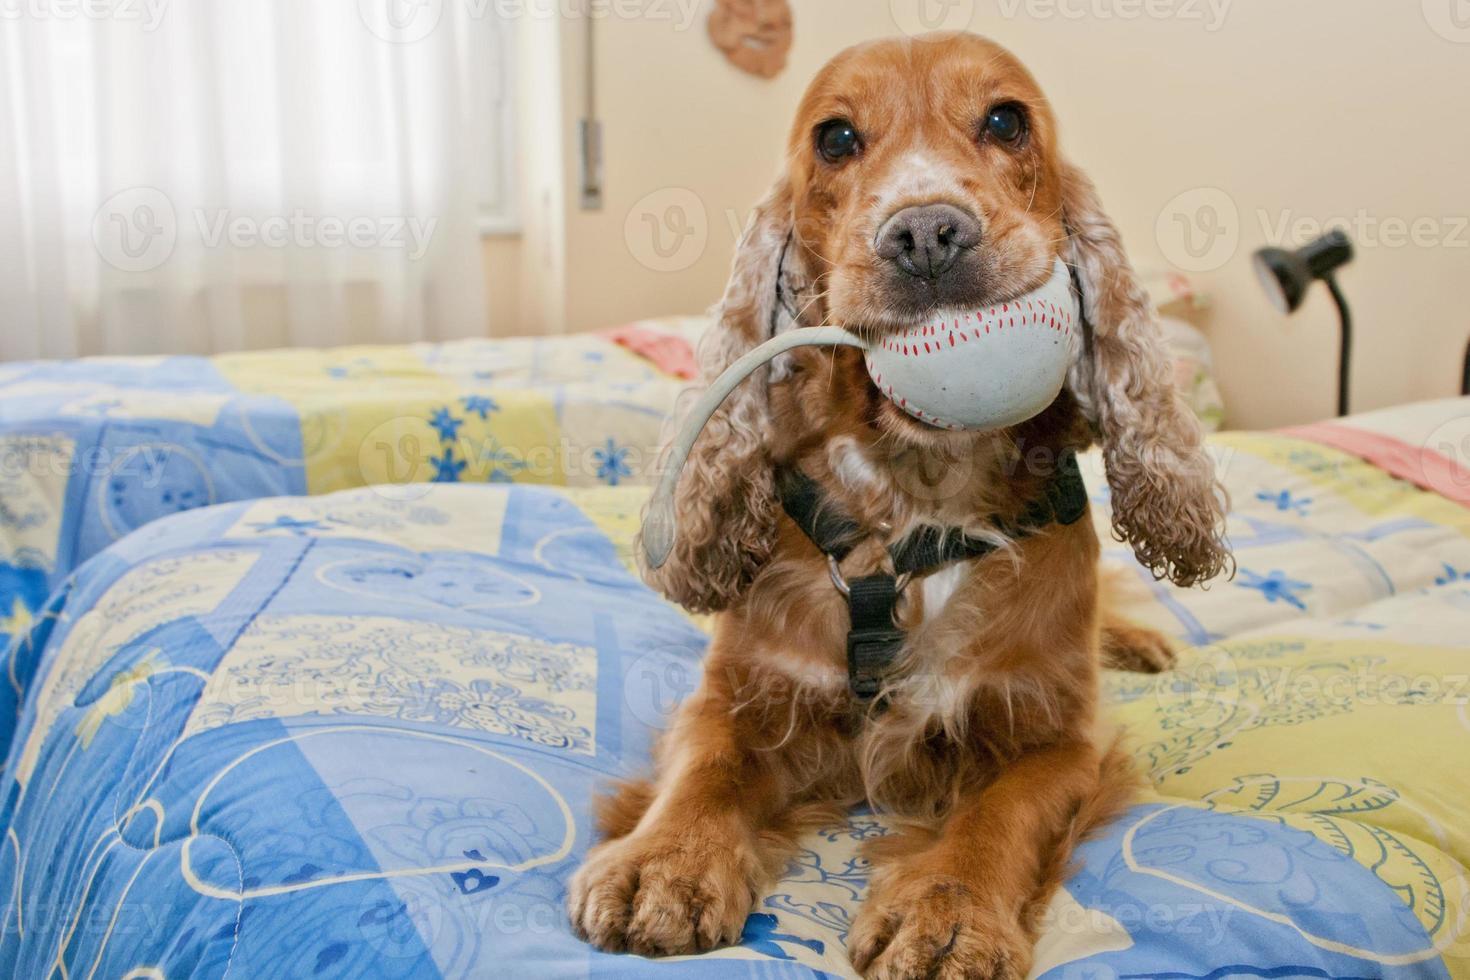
830	530
874	641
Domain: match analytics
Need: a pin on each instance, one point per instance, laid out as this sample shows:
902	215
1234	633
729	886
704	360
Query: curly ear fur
1166	500
726	503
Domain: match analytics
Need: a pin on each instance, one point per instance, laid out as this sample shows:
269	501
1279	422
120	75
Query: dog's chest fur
940	587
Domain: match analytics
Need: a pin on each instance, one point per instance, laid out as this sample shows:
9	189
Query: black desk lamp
1287	276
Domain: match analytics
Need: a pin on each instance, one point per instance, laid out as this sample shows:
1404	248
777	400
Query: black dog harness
874	640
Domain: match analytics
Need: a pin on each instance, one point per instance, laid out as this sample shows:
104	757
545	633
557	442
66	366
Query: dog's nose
925	241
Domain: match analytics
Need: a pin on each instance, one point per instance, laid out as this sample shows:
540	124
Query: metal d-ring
836	574
840	582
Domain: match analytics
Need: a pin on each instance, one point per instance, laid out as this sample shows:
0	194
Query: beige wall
1283	111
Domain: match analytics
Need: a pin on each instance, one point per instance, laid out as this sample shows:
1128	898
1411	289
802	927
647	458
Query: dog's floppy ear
726	503
1166	501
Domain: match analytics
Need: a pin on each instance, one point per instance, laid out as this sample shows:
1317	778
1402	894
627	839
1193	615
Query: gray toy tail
660	527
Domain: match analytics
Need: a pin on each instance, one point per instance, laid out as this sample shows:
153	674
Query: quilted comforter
357	735
92	449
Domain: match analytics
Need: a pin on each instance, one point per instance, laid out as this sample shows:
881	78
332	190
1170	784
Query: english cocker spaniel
907	617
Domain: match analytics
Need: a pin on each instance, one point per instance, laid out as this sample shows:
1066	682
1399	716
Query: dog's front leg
685	876
957	907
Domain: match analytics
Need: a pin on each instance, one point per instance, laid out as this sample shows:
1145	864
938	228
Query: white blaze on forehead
919	178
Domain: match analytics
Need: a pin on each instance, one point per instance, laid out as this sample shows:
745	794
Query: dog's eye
838	139
1006	123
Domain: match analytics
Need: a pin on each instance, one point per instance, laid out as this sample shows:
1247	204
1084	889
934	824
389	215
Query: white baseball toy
975	371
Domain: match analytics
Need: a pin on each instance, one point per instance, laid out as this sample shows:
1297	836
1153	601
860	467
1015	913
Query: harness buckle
874	640
870	655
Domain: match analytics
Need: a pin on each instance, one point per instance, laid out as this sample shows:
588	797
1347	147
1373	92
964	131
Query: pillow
1194	371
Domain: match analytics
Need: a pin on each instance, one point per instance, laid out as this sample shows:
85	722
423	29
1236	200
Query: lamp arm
1345	348
1465	377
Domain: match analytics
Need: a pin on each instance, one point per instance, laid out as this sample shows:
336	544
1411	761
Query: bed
356	734
92	449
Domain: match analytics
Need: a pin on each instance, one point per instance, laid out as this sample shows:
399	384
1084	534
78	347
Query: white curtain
193	176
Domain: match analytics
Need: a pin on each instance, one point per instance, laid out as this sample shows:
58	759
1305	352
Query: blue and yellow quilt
357	735
92	449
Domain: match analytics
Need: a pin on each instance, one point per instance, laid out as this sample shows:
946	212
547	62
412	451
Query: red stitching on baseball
1037	317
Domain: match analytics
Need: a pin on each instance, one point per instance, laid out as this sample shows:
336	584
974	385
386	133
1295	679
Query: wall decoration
755	35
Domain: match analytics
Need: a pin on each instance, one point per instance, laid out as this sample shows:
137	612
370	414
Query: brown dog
923	176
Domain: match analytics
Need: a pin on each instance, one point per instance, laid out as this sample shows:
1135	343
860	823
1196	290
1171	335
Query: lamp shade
1286	275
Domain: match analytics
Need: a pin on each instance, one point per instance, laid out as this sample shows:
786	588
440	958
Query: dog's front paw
921	926
1136	649
663	894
